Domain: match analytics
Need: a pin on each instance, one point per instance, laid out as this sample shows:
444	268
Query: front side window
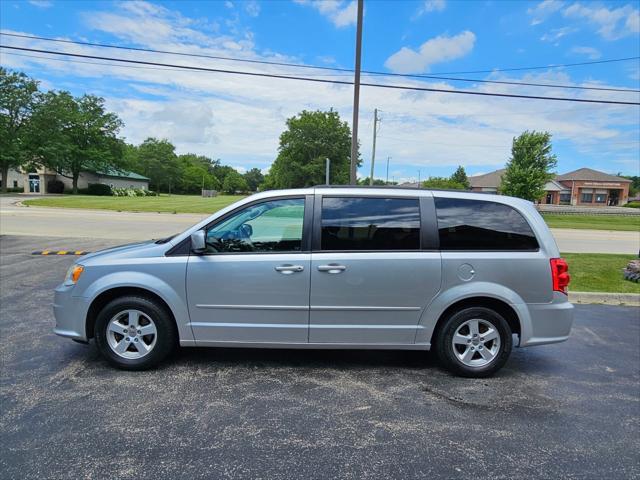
272	226
361	223
480	225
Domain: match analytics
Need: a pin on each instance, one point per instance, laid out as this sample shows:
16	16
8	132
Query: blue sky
238	119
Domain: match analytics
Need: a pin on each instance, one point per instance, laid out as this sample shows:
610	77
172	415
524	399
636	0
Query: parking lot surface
570	410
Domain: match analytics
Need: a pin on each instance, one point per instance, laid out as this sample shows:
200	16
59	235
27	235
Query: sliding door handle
332	268
289	269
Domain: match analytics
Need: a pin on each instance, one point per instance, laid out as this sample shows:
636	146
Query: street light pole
387	181
356	97
373	151
326	172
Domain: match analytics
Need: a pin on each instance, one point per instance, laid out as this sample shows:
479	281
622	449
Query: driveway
104	224
559	411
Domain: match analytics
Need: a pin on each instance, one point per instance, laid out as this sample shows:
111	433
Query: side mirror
198	241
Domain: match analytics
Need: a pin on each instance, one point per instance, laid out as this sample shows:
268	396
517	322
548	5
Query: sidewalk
628	299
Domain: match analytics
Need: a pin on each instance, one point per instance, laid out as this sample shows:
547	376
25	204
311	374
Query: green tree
221	171
460	177
254	179
376	181
18	98
76	134
195	174
234	182
443	183
634	188
157	160
529	167
311	138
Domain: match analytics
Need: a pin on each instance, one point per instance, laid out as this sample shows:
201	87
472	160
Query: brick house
584	186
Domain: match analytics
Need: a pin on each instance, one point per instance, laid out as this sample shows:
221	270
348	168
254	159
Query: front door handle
289	269
332	268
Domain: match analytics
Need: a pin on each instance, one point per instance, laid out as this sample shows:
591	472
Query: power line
73	60
435	76
368	124
319	80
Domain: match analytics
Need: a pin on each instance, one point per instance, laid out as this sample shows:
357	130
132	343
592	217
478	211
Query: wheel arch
501	307
99	302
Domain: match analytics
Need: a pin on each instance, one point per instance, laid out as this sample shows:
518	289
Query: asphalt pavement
569	410
105	224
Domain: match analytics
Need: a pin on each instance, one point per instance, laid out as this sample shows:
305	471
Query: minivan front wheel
474	342
134	333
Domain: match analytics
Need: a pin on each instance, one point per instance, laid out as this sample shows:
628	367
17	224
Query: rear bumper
70	313
549	322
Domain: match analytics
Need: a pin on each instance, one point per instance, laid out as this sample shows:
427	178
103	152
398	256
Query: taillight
560	275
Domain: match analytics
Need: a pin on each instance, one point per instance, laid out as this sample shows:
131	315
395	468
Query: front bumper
549	322
70	313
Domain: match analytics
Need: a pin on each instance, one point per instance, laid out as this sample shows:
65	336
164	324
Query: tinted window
274	226
351	223
480	225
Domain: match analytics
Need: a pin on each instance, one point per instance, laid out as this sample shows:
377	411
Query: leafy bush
632	205
99	189
130	192
55	186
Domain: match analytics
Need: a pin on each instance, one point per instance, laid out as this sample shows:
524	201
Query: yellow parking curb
60	252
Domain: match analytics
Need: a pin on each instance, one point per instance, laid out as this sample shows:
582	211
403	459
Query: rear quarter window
466	224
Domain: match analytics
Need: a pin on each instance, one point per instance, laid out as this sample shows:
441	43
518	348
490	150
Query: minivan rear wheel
135	333
474	342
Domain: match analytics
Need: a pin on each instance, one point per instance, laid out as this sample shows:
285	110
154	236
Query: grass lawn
163	203
599	272
593	222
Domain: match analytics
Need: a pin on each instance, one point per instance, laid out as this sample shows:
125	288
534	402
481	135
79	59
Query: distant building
584	186
36	181
488	182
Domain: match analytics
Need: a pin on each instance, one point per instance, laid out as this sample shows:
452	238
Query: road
104	224
559	411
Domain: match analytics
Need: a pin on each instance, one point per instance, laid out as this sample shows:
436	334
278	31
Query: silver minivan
468	275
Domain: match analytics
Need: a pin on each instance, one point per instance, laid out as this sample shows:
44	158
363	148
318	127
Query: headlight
73	275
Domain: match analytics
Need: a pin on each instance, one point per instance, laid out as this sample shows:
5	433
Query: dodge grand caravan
468	275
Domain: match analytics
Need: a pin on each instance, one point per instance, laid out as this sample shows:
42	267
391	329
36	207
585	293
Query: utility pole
356	98
387	181
373	151
418	178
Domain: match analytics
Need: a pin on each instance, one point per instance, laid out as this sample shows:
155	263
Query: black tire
166	336
446	350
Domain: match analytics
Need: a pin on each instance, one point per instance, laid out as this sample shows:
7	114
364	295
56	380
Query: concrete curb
630	299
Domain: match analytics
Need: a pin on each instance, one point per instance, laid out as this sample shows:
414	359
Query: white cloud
543	10
436	50
589	52
611	24
239	118
228	4
41	3
252	8
556	34
341	14
431	6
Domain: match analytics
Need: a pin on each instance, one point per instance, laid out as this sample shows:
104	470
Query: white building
36	181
